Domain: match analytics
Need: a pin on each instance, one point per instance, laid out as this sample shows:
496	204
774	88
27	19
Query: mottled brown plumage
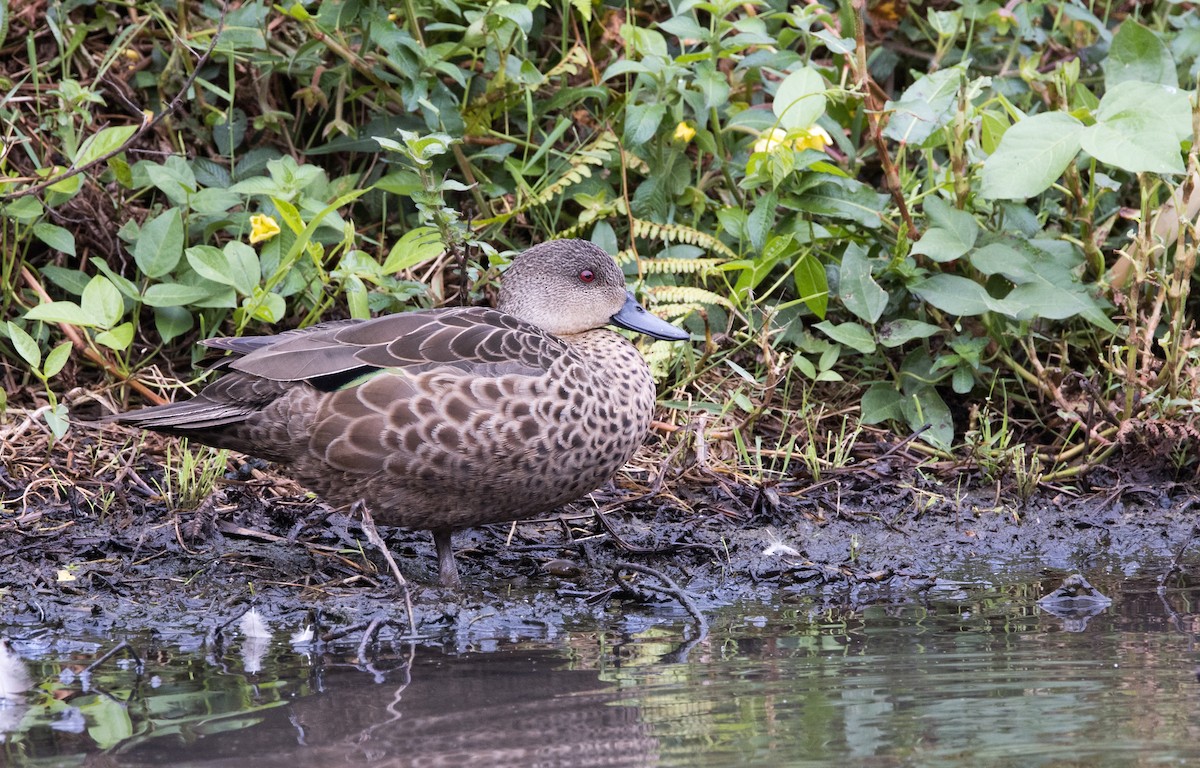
444	419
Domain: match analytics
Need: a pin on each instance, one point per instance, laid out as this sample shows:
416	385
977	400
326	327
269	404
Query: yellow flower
684	132
815	137
262	228
812	137
769	142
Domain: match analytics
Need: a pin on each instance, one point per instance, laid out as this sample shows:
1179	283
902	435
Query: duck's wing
474	340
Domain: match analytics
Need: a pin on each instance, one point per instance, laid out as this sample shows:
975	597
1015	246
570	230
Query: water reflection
970	675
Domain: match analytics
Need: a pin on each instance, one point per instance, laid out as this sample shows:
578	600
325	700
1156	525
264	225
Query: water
971	673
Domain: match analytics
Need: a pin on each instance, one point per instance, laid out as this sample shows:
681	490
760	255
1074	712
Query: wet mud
102	552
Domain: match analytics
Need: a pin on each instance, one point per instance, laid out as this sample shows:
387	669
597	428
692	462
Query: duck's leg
447	569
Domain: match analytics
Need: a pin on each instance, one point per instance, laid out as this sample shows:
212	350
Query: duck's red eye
587	276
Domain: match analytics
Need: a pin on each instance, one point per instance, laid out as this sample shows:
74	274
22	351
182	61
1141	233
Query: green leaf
159	247
895	333
642	122
244	267
881	402
123	284
57	359
1031	156
761	221
209	261
56	237
58	419
73	281
172	322
102	302
812	284
852	335
416	246
925	406
800	99
26	347
265	306
60	312
959	296
1139	128
858	290
174	295
118	338
953	232
1136	53
925	106
103	142
843	199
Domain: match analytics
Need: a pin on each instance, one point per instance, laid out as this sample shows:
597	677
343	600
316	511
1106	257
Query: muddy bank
99	550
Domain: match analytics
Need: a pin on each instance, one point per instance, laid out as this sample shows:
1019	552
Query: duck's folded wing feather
475	340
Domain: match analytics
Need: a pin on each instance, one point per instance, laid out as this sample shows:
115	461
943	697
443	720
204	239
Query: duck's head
572	286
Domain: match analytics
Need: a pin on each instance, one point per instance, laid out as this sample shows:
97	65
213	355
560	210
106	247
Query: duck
445	419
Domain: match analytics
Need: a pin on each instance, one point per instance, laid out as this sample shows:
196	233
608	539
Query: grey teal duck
447	418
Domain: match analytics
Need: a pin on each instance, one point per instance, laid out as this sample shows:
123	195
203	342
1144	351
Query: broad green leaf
416	246
858	289
73	281
123	284
172	322
812	284
174	178
118	338
174	295
881	402
23	209
265	306
800	99
209	261
895	333
160	246
56	237
1031	156
761	221
642	122
953	232
852	335
843	199
1139	128
959	296
104	141
60	312
102	302
26	347
58	419
57	359
924	406
244	267
1136	53
925	106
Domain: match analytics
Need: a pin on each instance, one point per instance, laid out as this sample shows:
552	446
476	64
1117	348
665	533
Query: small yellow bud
262	228
684	132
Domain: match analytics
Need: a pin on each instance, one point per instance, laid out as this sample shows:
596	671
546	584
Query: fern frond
678	233
664	266
672	311
682	294
659	356
581	161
